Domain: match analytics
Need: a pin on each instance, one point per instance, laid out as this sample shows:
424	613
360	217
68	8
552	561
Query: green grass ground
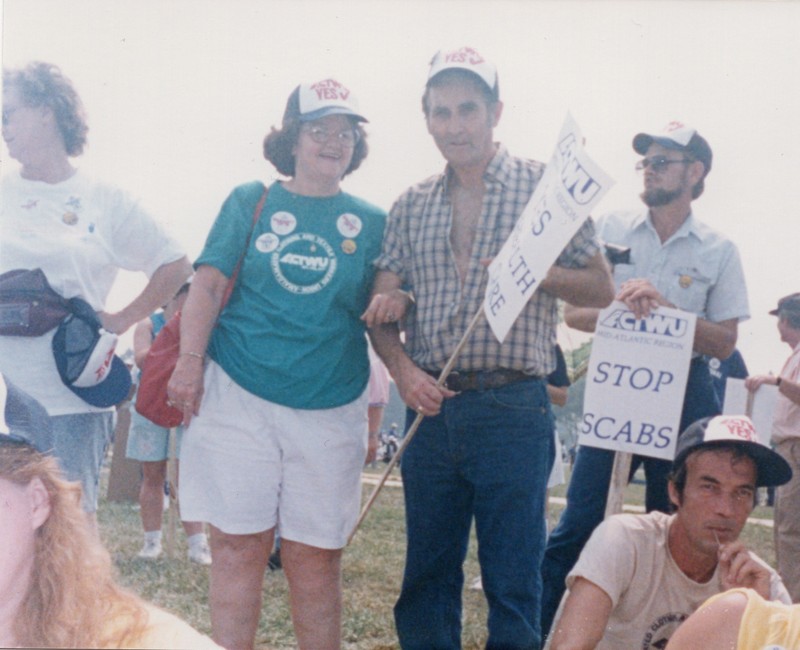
372	570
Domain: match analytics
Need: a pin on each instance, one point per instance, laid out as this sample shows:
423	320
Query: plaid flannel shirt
417	248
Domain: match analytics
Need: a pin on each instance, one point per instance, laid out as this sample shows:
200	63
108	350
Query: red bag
159	364
151	397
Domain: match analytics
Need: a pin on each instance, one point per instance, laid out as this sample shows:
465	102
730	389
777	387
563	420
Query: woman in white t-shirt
80	233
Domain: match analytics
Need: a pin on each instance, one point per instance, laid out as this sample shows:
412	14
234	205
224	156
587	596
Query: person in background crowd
275	394
558	391
485	447
378	399
664	256
149	444
56	581
720	369
80	232
640	576
786	438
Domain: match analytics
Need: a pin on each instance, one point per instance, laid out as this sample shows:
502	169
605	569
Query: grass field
372	569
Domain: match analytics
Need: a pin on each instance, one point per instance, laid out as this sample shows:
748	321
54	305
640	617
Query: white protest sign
636	381
570	187
761	405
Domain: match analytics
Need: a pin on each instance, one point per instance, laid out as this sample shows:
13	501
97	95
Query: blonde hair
72	595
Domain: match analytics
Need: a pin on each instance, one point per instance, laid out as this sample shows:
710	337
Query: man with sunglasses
672	259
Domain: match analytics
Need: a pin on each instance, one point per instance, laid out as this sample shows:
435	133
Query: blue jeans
588	489
80	441
486	455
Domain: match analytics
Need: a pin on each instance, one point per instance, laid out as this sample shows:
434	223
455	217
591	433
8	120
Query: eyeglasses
659	163
321	135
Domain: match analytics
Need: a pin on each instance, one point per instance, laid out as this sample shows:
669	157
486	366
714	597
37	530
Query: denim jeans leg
586	504
700	400
438	505
508	448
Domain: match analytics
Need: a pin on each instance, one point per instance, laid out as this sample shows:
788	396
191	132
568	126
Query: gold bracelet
196	355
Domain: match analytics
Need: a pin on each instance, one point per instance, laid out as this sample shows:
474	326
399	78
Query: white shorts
248	464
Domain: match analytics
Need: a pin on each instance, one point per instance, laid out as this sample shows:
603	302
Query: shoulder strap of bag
232	281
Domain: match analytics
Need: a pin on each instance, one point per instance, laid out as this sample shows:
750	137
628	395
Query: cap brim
792	307
642	142
26	418
331	110
771	468
111	391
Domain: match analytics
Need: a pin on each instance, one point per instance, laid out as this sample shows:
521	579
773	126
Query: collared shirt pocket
688	289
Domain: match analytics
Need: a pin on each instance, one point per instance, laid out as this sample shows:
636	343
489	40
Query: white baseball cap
465	58
312	101
676	135
771	468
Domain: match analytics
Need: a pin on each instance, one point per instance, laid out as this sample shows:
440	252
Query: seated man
640	576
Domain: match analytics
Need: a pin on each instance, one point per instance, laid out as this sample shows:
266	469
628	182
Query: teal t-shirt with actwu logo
291	331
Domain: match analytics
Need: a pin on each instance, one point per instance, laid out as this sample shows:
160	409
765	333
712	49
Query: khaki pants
787	521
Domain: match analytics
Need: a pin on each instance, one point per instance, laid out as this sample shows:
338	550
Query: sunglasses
658	163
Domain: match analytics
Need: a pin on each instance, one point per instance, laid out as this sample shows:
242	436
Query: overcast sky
181	92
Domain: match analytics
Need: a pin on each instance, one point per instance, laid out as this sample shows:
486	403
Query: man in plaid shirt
485	447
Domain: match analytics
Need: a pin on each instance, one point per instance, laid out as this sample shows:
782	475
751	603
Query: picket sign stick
172	513
619	479
415	424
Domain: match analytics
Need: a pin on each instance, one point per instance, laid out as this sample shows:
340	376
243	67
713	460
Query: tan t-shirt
628	558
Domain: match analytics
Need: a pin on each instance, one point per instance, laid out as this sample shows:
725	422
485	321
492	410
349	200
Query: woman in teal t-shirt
274	385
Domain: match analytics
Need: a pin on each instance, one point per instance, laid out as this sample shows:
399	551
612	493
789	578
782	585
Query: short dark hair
679	473
700	185
791	317
490	95
43	84
279	144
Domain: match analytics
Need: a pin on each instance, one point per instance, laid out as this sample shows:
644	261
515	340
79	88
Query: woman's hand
185	387
388	307
114	323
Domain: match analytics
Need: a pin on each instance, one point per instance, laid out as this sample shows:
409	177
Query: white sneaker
150	551
200	553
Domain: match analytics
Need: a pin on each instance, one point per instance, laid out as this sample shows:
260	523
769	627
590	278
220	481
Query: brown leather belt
460	380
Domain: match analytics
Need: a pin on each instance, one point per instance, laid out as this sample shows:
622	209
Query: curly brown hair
43	84
279	143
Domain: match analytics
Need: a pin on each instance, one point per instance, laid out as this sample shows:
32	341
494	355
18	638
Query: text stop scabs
570	187
637	380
